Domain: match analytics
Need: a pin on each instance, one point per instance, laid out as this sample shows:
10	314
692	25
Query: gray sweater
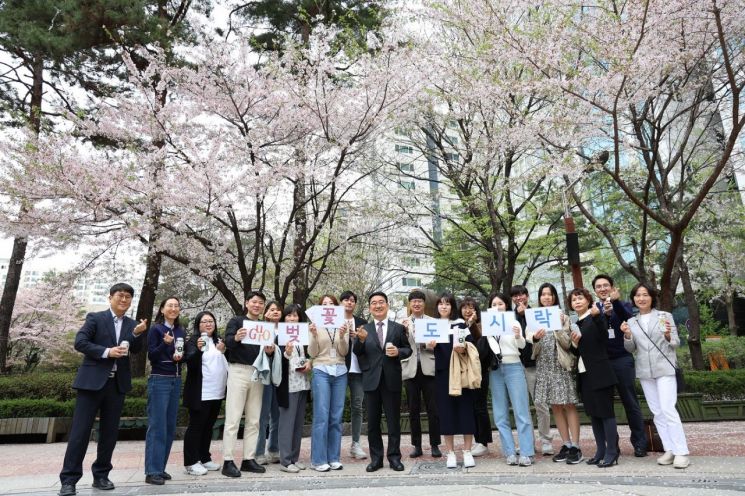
650	364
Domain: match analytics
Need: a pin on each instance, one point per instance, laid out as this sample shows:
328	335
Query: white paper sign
548	318
328	316
294	332
425	330
496	323
259	333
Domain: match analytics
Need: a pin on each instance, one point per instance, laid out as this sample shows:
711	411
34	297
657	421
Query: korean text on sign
293	332
328	316
260	333
495	323
426	330
548	318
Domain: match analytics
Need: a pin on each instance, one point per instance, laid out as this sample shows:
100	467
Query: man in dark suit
102	381
380	346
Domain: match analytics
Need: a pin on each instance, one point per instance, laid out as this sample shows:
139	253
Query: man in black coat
101	383
380	346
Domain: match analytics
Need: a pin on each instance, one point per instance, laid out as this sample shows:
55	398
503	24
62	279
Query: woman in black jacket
596	378
204	390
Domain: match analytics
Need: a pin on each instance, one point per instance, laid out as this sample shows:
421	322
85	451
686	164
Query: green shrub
53	385
714	385
22	408
732	347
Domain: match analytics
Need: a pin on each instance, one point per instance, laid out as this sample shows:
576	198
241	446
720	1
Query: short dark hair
293	308
554	293
417	294
160	318
580	291
470	301
377	293
602	276
269	304
121	286
652	293
255	292
518	290
501	296
450	298
345	295
198	320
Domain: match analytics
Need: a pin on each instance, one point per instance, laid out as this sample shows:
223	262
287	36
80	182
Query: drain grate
426	468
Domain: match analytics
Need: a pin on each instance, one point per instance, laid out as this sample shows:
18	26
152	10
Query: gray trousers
291	420
541	410
356	395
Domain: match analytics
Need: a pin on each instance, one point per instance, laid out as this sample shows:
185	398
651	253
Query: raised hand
168	337
140	328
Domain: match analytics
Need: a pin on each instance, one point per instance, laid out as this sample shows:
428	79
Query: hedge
53	385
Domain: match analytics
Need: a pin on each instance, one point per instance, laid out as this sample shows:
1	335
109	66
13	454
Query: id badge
332	353
611	333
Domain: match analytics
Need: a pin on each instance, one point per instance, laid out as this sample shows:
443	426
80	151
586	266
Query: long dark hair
450	298
470	301
198	319
554	293
507	300
161	319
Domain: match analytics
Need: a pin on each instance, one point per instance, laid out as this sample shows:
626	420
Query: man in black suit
102	381
380	346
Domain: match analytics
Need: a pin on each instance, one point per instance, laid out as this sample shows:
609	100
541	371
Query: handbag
566	359
679	378
654	442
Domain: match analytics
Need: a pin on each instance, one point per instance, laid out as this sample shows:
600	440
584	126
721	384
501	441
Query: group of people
268	387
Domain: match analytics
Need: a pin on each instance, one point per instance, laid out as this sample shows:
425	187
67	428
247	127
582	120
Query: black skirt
597	402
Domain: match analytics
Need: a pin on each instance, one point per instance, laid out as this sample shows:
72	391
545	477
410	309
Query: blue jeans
328	405
269	417
163	395
509	380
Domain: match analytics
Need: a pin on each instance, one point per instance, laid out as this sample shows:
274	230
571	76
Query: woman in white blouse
653	337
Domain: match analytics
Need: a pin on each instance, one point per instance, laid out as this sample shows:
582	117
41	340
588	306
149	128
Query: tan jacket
465	370
319	347
426	357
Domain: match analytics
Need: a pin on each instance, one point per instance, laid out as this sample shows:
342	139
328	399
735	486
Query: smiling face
255	307
273	313
602	288
468	311
171	310
643	300
499	304
444	308
207	324
580	304
520	299
417	307
547	298
292	317
379	307
120	302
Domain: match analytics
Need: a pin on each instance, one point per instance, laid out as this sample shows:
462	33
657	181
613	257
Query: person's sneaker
321	468
547	448
574	456
561	456
525	461
468	460
272	457
511	460
357	452
300	465
666	459
452	462
211	466
262	460
479	449
681	461
291	468
336	465
196	469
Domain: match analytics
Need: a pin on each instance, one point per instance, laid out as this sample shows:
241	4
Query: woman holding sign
292	394
555	384
596	376
456	412
328	349
500	355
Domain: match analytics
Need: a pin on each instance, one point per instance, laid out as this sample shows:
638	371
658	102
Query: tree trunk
729	301
18	255
146	304
694	318
300	283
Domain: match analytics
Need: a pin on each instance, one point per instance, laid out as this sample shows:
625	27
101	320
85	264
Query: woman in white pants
652	335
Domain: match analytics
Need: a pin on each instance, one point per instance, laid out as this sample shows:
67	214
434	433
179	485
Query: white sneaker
666	459
525	461
211	466
321	468
336	465
547	448
196	469
479	449
291	468
357	452
300	465
272	457
468	460
452	462
262	460
681	461
511	460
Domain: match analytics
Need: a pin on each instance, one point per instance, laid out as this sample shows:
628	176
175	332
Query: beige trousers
243	397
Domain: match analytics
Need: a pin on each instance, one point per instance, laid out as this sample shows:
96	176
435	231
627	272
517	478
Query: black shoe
574	456
252	466
166	475
229	469
561	456
156	480
594	460
436	452
374	466
103	483
640	452
397	466
416	453
67	490
608	463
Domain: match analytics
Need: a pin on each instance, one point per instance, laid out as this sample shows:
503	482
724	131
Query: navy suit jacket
92	339
375	364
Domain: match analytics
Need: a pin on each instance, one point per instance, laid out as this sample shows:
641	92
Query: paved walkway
717	468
